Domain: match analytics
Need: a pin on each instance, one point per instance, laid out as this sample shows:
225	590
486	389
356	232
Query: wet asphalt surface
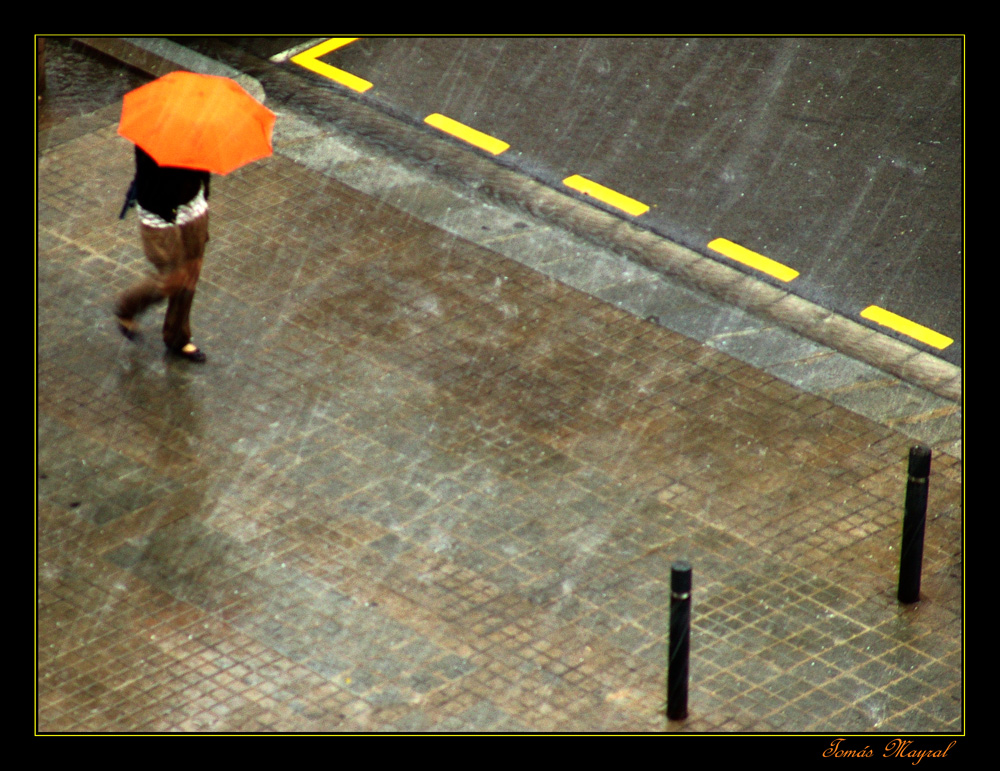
434	475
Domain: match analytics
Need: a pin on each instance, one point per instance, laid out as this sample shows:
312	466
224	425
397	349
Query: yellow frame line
906	327
753	260
606	194
466	133
310	60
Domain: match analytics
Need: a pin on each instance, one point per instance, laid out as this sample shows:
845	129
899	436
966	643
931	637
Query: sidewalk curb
158	56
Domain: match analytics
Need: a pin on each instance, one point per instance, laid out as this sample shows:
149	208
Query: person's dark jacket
163	189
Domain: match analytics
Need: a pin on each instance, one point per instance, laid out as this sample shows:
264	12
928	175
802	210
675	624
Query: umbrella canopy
197	121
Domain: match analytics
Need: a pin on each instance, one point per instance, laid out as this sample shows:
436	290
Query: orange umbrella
197	121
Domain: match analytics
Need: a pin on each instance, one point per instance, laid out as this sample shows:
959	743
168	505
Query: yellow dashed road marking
606	194
467	134
310	60
753	260
906	327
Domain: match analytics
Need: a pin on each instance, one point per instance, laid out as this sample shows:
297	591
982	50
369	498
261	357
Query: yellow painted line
310	60
606	194
466	134
906	327
753	260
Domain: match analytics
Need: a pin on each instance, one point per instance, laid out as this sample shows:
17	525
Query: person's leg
180	288
160	246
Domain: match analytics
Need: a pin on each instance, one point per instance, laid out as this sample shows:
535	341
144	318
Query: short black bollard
678	646
911	554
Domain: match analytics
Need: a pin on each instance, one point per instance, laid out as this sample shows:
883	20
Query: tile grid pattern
420	487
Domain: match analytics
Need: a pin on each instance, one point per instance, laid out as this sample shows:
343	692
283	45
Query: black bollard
678	646
911	554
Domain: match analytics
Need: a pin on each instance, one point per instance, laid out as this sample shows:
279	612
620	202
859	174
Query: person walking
172	203
185	126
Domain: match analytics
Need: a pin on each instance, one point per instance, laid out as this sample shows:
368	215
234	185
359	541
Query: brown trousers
176	253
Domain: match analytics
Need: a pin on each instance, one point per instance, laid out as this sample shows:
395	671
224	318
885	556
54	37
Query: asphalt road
840	158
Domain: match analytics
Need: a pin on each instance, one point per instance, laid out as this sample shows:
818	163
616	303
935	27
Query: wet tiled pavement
420	486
